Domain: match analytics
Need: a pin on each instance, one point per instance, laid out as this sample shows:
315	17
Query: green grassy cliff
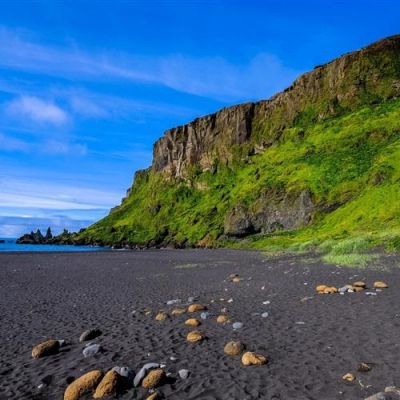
317	163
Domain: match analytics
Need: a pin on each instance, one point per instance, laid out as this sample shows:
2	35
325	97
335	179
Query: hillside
317	162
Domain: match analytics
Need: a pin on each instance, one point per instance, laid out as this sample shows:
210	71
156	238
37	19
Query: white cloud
216	77
36	110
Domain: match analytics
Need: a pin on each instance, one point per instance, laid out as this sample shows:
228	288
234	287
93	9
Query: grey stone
183	373
264	314
172	302
205	315
91	350
143	372
237	325
125	372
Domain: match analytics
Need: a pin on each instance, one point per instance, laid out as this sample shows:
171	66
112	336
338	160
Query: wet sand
311	340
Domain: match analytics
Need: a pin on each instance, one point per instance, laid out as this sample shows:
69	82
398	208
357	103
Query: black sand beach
311	340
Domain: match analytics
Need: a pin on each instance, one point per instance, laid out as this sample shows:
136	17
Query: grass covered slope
349	164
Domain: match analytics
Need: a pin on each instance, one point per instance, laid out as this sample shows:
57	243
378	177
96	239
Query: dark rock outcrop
36	238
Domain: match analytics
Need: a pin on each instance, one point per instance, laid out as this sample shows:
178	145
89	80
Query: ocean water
11	245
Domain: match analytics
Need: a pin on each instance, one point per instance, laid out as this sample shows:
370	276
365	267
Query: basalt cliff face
308	159
363	77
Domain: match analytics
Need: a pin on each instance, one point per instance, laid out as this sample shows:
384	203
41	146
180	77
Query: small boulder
330	290
251	358
321	288
195	336
161	316
349	377
90	334
357	289
176	312
192	322
108	385
124	372
153	396
153	378
196	307
236	279
46	348
233	348
221	319
84	384
380	285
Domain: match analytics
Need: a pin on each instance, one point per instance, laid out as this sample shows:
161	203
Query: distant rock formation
36	237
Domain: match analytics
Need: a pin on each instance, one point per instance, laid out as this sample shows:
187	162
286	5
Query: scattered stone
251	358
195	336
349	377
62	342
330	290
143	371
382	396
192	322
172	358
176	312
196	307
205	315
90	334
392	389
230	300
183	373
191	299
233	348
236	279
266	302
360	284
358	289
153	396
264	314
237	325
370	293
380	285
221	319
153	378
364	367
108	385
47	348
321	288
172	302
91	350
84	384
161	316
125	372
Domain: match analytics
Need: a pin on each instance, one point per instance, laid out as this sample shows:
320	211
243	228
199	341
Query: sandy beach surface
311	340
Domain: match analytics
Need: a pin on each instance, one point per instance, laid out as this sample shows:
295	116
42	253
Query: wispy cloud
36	110
213	77
11	144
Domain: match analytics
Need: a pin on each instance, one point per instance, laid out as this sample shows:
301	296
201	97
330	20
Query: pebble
230	300
264	315
90	334
191	299
91	349
250	358
143	372
205	315
125	372
370	293
47	348
266	302
172	302
237	325
183	373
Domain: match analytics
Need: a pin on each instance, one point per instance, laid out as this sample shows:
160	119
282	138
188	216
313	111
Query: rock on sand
84	384
46	348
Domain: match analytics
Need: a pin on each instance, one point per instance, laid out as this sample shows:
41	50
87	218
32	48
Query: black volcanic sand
311	343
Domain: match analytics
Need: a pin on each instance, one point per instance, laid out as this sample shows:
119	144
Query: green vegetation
350	164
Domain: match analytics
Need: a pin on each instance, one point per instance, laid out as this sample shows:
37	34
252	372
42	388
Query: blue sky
86	87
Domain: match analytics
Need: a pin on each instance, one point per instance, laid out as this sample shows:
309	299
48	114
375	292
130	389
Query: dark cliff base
311	343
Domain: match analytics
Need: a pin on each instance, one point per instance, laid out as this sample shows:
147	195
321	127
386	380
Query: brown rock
176	312
195	336
380	285
192	322
46	348
196	307
349	377
233	348
153	378
221	319
360	284
236	279
84	384
357	289
251	358
330	290
161	316
108	385
153	396
321	288
364	367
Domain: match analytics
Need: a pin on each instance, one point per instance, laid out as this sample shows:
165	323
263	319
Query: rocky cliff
367	76
318	160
